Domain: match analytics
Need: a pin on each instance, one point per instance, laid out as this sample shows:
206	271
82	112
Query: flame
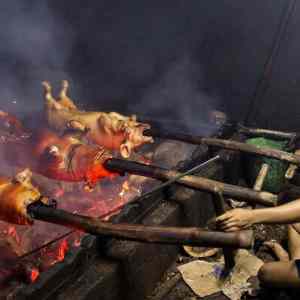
13	233
34	274
104	201
98	172
62	250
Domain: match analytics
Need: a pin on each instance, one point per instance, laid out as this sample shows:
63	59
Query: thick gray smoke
118	52
111	65
178	97
34	46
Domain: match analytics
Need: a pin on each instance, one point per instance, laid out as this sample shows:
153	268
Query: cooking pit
104	224
47	261
154	120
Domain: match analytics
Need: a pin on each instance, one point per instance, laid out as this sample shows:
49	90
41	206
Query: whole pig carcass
110	130
15	195
62	158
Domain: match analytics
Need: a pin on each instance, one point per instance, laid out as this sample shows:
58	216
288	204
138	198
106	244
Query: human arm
237	219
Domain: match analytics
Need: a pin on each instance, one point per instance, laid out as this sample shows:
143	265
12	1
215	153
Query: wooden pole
228	253
228	144
252	149
196	182
292	169
260	179
151	234
273	134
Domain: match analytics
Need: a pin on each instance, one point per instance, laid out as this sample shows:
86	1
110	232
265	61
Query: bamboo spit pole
219	205
226	144
151	234
292	169
274	134
229	254
260	179
196	182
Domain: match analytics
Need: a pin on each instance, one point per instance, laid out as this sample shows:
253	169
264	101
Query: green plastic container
276	174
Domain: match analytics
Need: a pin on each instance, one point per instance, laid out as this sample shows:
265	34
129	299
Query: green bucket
276	174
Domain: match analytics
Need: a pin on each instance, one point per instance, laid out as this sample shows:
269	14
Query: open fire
67	163
73	164
48	244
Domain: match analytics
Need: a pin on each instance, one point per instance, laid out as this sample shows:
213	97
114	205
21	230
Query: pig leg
50	101
64	100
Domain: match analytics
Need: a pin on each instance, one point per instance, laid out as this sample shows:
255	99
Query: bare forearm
287	213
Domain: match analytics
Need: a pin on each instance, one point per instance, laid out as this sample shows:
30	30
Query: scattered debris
200	252
206	278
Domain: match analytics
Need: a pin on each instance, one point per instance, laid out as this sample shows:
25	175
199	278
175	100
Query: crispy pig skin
45	152
15	195
58	157
110	130
66	158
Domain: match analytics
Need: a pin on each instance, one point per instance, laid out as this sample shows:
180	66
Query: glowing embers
62	250
34	274
98	171
47	243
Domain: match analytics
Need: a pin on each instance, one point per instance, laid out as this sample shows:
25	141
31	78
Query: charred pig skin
57	157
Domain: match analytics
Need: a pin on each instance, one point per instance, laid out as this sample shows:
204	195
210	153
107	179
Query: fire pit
44	261
52	261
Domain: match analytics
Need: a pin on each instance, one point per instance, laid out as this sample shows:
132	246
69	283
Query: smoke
34	45
112	62
178	97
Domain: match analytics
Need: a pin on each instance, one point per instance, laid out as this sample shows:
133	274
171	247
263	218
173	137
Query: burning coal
105	201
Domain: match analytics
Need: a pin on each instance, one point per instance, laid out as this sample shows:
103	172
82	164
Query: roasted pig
15	195
65	158
110	130
61	158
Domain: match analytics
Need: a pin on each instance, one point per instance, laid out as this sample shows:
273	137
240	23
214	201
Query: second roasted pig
111	130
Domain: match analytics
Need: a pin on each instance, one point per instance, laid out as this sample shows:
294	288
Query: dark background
171	59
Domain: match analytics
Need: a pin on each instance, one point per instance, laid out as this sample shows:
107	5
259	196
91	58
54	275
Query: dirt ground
172	287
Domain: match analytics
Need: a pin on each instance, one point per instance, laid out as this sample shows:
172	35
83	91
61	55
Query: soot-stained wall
170	59
280	105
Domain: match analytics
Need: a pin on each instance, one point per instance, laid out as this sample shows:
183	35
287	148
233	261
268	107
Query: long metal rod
151	234
179	176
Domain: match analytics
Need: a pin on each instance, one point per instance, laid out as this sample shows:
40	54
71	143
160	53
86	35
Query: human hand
235	219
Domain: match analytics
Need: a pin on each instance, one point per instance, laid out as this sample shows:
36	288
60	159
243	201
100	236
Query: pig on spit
110	130
62	158
15	195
